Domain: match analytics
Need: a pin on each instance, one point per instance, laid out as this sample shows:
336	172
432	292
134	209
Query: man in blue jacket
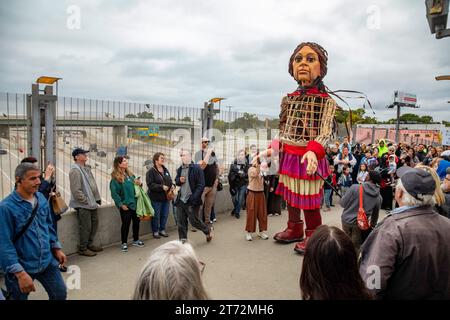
192	182
29	247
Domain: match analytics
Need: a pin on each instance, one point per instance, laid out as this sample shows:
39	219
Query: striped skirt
296	187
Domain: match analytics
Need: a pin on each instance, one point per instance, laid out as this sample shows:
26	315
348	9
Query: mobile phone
138	178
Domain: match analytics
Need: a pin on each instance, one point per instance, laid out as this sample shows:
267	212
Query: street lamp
439	78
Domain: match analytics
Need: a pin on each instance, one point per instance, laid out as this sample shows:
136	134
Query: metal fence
107	128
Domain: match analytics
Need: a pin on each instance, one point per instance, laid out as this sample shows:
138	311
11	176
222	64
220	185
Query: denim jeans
50	278
327	197
159	221
238	199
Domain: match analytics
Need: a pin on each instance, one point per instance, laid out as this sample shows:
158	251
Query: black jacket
196	182
238	174
155	184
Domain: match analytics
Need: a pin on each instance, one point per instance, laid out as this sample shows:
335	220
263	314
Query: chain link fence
108	128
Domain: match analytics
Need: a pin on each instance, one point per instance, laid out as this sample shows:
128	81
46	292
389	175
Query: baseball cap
205	139
417	182
446	153
78	151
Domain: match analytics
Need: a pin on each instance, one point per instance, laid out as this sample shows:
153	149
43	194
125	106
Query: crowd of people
403	245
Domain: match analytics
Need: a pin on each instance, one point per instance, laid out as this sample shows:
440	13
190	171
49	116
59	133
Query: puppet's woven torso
306	118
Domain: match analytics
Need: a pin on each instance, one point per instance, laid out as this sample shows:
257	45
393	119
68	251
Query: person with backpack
371	204
29	246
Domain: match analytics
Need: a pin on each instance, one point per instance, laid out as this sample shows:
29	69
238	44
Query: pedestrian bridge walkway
235	268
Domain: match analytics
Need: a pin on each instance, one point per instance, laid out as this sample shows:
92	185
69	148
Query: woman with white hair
173	272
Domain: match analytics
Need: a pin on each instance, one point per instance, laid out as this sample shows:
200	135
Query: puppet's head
308	62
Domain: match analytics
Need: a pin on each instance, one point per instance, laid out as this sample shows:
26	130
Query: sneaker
278	214
193	229
124	247
87	253
163	234
183	240
95	248
263	235
156	235
214	220
209	236
237	216
138	243
270	215
232	212
248	236
332	205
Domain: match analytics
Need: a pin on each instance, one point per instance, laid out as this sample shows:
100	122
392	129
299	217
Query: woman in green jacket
123	194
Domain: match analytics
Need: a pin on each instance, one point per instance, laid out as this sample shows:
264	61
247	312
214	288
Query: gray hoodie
371	203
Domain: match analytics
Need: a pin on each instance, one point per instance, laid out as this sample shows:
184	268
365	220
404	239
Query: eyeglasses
205	142
202	266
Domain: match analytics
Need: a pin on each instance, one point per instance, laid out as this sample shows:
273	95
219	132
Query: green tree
130	115
220	125
247	121
145	115
186	119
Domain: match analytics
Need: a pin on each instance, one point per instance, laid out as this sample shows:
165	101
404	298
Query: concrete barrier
109	224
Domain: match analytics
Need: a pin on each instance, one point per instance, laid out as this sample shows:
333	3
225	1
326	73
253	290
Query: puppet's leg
294	230
313	220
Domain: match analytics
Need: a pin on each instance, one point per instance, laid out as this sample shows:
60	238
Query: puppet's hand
311	158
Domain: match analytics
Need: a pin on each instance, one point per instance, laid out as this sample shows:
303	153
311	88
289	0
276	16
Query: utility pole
208	112
229	117
41	110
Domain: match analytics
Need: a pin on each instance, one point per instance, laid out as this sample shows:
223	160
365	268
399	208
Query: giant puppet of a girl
306	125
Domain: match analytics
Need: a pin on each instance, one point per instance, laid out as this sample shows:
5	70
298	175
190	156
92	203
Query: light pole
229	117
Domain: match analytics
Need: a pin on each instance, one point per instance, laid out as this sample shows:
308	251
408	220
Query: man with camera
238	180
29	246
206	158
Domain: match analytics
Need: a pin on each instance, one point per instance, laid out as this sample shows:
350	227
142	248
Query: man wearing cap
407	255
85	199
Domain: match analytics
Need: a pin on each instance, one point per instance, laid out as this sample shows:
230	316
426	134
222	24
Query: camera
213	154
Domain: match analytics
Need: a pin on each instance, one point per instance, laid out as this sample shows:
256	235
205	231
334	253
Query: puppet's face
306	66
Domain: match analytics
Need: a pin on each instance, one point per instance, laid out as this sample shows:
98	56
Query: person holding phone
123	194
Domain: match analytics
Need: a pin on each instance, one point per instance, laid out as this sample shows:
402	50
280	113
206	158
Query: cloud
185	52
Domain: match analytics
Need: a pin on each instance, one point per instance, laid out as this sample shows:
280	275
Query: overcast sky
187	51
